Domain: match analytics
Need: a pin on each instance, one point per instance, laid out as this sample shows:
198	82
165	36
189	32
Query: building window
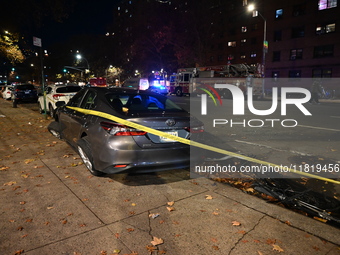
230	57
243	55
325	28
276	56
298	32
299	10
275	74
255	27
219	58
243	42
232	44
253	54
322	73
253	41
323	51
278	13
277	35
295	54
244	29
327	4
294	73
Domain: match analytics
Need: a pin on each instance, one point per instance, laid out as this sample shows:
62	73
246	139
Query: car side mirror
60	103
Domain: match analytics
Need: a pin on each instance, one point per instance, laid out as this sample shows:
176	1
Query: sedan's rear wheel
86	155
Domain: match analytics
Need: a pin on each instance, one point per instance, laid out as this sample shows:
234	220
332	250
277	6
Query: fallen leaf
116	251
260	253
9	183
170	209
215	247
208	197
151	248
236	223
130	230
277	248
156	241
171	203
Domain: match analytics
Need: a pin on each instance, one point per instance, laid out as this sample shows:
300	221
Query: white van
136	83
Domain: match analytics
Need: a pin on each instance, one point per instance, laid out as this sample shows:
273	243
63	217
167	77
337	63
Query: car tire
54	129
84	152
179	92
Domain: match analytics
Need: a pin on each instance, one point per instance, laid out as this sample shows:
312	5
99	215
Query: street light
256	13
78	56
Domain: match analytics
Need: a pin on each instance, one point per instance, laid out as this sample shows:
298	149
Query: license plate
167	140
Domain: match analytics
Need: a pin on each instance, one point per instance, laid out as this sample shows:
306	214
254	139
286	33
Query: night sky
88	17
84	17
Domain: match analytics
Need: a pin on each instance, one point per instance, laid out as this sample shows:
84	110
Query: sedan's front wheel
86	155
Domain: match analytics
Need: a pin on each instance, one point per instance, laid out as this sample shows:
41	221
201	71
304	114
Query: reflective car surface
55	93
7	91
107	146
24	92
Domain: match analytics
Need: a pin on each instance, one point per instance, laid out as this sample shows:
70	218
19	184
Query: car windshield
25	87
68	89
141	103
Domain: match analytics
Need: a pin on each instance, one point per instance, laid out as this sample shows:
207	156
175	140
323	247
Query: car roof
123	90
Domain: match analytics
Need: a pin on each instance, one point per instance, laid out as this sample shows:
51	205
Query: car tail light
120	130
57	96
199	129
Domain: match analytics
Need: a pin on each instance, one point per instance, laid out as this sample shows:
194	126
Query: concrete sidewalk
50	204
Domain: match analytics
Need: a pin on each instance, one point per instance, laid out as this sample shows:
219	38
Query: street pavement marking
335	117
327	129
192	143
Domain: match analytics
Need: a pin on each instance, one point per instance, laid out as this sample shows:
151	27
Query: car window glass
89	100
142	103
26	87
68	89
77	98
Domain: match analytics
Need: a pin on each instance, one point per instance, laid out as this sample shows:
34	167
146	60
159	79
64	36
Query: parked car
7	92
54	94
24	92
107	146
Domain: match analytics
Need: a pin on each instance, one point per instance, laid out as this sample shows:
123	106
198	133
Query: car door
78	122
68	118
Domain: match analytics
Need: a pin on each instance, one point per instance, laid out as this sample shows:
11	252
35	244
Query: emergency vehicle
98	82
189	80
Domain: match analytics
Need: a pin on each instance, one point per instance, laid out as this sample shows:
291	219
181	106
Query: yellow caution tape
193	143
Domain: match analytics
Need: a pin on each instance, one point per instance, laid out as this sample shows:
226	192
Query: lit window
325	28
232	44
243	56
322	73
278	13
253	54
295	54
243	41
244	29
327	4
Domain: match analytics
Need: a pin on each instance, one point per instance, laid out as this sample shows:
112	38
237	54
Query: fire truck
189	80
98	82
